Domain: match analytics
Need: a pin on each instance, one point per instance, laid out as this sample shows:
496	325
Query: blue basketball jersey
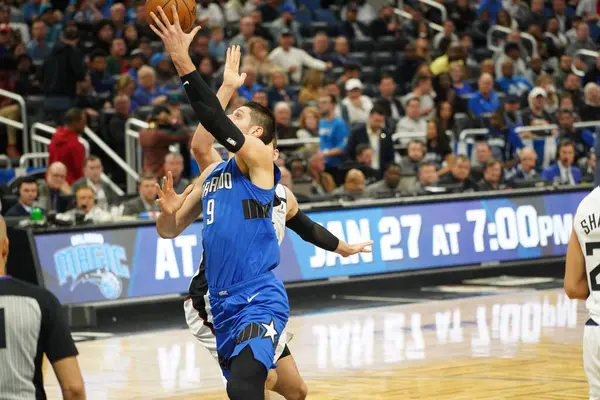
239	240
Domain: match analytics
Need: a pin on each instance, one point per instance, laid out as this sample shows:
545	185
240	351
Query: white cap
352	84
537	91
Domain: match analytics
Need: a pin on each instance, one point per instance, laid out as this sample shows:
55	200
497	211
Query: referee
31	325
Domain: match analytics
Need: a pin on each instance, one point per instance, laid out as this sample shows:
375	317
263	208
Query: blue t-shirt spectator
217	50
480	105
247	92
38	52
492	6
102	82
334	135
504	143
465	90
144	97
516	85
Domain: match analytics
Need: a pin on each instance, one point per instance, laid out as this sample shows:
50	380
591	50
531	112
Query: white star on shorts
270	330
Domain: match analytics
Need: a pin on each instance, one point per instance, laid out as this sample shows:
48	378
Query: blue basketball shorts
252	313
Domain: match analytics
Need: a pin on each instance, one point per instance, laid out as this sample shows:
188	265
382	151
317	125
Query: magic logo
90	260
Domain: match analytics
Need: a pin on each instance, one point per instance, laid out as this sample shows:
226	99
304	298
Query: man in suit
393	106
352	28
27	196
92	171
377	136
459	176
146	200
525	169
53	192
563	172
492	176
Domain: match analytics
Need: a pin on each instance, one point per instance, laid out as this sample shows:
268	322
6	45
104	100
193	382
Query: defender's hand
231	75
176	41
168	200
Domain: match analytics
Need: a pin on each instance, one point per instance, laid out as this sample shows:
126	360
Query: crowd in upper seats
387	96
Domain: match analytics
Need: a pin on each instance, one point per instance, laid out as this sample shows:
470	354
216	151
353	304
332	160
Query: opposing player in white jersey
285	379
582	281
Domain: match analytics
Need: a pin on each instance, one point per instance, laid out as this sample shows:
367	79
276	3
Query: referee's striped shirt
31	324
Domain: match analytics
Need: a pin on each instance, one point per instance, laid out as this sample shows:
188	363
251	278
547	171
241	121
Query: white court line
381	298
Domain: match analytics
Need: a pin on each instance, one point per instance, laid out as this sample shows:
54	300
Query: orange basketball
186	10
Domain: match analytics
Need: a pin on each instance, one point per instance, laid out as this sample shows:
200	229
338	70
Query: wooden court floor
517	345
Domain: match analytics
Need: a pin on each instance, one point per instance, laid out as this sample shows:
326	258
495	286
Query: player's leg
201	329
247	377
288	381
591	359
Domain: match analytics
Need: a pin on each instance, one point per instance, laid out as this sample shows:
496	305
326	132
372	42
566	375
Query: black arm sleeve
311	232
208	109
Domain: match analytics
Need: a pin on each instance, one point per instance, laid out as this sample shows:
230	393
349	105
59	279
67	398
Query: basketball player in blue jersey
249	304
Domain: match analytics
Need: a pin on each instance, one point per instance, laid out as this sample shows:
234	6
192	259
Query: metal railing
116	158
22	125
439	6
37	141
133	155
580	53
406	15
503	29
538	128
25	158
467	133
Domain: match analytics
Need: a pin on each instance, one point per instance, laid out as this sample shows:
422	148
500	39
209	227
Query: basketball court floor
503	342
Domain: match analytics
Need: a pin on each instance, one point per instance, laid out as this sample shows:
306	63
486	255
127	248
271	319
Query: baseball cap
512	98
156	58
352	84
288	8
5	28
537	91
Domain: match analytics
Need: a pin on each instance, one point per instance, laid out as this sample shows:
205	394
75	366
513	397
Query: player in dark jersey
31	325
249	304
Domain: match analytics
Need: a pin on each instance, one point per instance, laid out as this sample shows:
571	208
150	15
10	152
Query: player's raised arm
314	233
207	107
576	285
202	142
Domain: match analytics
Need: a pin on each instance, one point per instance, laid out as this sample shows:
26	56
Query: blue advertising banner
108	264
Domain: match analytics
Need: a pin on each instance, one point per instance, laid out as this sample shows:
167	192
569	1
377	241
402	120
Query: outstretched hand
168	200
176	41
346	250
231	75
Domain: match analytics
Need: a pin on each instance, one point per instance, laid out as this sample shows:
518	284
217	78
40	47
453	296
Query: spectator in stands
365	12
31	9
102	81
389	186
93	170
564	69
52	192
566	103
269	10
160	135
458	75
115	63
65	146
217	47
207	67
20	29
312	88
137	60
387	24
287	21
174	164
166	76
341	52
117	17
518	10
512	51
85	13
260	97
407	67
536	111
6	39
293	59
351	71
105	33
503	141
590	110
357	104
27	195
333	133
427	178
593	75
583	140
525	169
9	108
438	148
505	20
131	37
412	125
246	33
582	40
537	14
323	182
415	154
459	175
250	86
492	176
509	83
483	153
447	33
236	9
39	48
259	29
352	28
283	121
512	116
354	185
555	36
485	100
573	87
146	201
321	47
562	14
363	162
209	13
126	86
444	117
147	92
392	106
453	55
258	57
85	205
375	134
422	89
141	24
462	15
589	168
60	73
308	123
563	172
199	47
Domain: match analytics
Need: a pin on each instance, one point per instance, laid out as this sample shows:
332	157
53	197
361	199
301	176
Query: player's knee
298	393
271	380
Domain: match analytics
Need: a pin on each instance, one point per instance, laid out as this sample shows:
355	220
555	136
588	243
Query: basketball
186	9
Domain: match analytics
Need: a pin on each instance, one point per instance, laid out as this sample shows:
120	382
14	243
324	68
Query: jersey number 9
210	211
